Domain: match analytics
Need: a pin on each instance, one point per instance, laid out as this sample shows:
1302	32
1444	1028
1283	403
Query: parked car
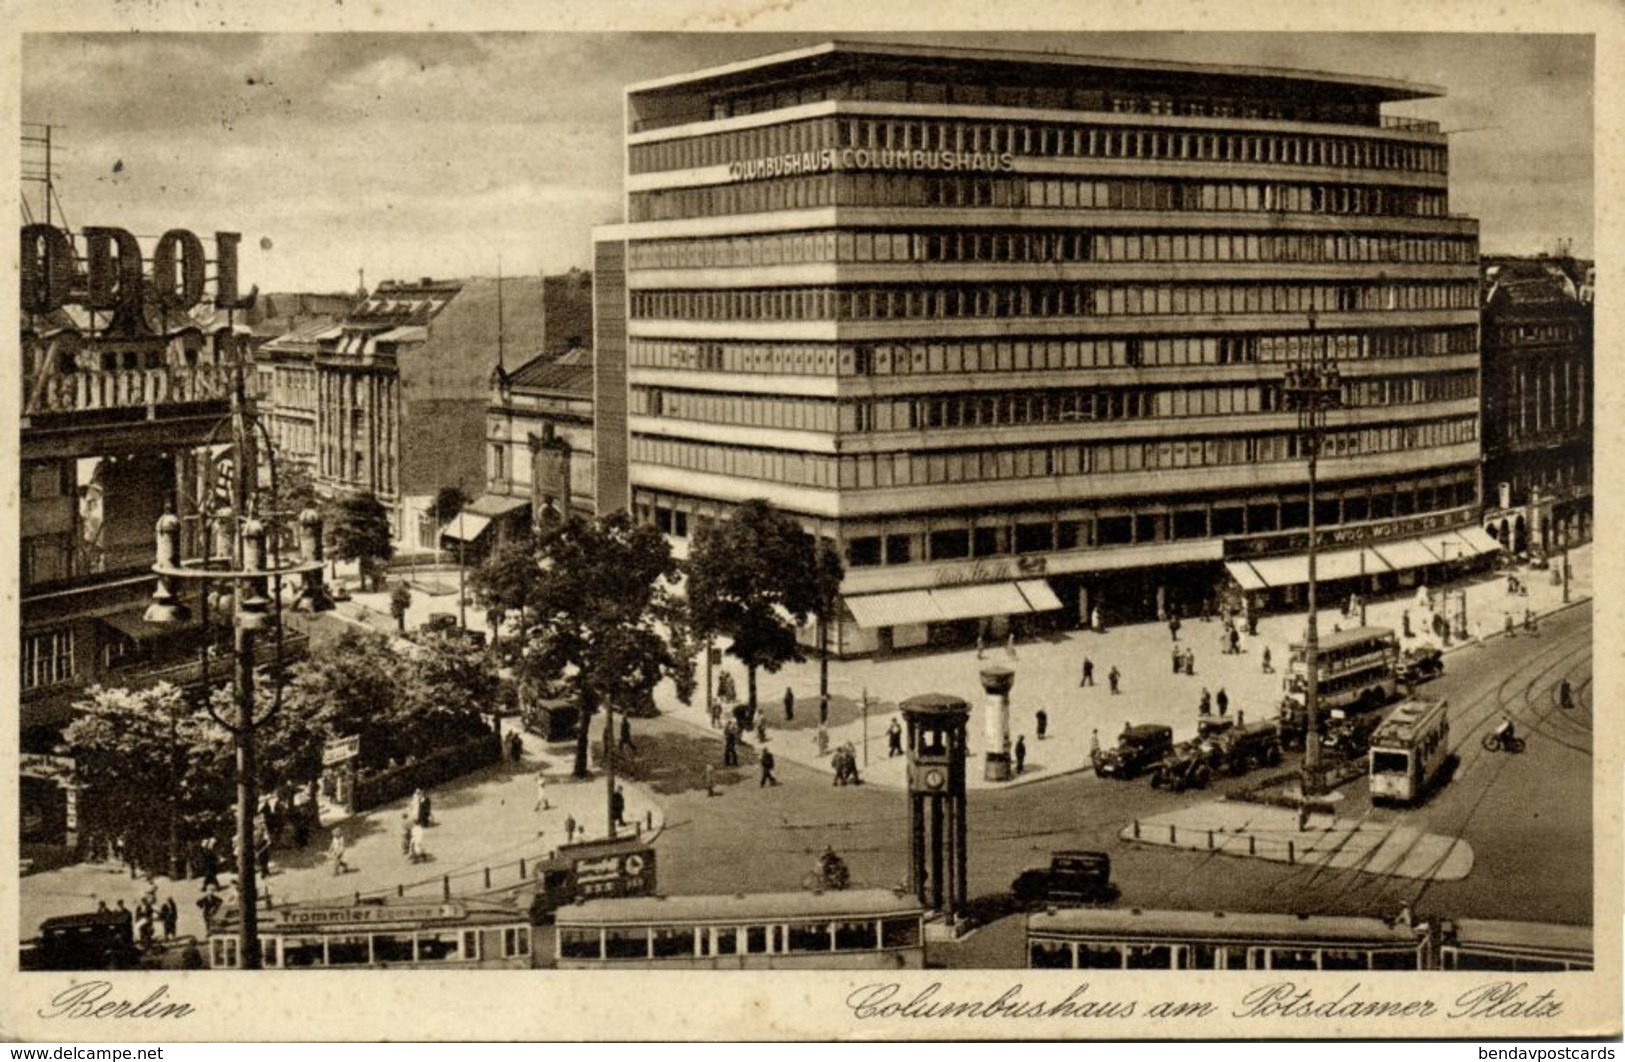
1138	749
1420	664
1187	766
1073	878
1239	749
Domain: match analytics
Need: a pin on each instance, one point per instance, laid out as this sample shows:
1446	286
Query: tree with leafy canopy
146	759
603	621
295	485
448	502
752	578
358	530
503	581
349	687
448	686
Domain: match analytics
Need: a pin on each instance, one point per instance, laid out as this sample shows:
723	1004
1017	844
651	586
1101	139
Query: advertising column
996	682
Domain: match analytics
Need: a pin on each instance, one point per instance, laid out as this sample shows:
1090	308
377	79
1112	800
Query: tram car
1409	750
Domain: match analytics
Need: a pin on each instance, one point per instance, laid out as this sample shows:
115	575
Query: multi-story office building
401	390
1013	328
1538	373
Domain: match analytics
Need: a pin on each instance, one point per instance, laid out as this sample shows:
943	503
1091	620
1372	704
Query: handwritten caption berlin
1280	999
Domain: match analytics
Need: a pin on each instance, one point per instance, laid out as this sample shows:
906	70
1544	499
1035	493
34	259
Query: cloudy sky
434	154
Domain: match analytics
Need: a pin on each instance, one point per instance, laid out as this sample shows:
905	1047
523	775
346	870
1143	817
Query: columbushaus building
1013	329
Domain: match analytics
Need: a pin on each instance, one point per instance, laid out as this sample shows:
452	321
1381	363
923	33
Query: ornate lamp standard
1312	387
238	551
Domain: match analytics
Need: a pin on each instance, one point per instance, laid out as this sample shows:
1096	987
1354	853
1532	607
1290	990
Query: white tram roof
1338	639
1293	929
1403	722
1479	932
739	908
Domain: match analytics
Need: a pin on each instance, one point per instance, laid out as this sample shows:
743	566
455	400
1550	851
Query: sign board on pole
341	751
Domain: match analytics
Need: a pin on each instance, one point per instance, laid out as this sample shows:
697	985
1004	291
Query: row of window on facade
1043	355
1044	140
977	89
1043	300
1545	399
958	536
907	469
1014	408
936	192
1521	333
847	246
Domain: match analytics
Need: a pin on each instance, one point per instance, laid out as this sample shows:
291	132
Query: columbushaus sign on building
827	159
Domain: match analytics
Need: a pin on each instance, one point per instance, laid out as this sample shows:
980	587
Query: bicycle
1494	741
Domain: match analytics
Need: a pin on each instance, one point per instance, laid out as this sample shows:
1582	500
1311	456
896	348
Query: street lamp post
1312	387
251	564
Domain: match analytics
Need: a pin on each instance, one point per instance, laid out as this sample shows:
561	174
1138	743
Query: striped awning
1478	538
1243	574
1039	595
901	608
1406	553
984	599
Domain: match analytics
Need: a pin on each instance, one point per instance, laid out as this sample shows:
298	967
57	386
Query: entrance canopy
467	527
1245	577
1294	570
1478	538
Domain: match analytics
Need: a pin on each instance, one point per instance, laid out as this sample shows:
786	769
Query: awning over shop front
1282	571
1039	595
901	608
1406	553
467	527
1243	574
1347	564
984	599
495	505
1478	538
1448	547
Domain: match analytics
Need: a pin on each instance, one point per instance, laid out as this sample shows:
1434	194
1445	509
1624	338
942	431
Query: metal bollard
1291	852
358	898
649	818
400	890
521	866
1136	829
1210	840
445	886
488	877
1252	845
1173	836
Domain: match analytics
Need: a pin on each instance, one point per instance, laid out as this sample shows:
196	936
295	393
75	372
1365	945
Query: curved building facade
1014	328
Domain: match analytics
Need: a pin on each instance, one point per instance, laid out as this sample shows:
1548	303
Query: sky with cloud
423	154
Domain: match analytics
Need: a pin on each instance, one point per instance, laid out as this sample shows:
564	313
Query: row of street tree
599	611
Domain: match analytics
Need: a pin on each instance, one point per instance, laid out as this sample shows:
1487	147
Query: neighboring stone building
1012	329
1539	375
542	407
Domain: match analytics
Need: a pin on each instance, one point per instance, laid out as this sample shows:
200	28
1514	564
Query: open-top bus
830	930
1136	939
1358	672
1409	749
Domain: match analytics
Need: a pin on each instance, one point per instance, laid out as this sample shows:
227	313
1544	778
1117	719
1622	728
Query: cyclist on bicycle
1506	733
832	870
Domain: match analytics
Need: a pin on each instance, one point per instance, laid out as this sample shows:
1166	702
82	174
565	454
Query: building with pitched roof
539	437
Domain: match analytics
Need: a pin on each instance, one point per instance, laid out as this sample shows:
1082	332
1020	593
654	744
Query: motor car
1138	749
1073	878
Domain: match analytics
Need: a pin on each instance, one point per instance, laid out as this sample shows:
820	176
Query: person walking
710	782
626	734
1041	720
1088	673
406	835
1268	669
569	829
981	643
1095	623
894	739
1021	753
1565	695
1190	662
1235	641
1204	705
1510	630
767	770
617	807
789	705
1112	678
211	863
1173	628
335	852
541	790
1222	700
1179	659
418	852
1478	633
730	744
169	915
1010	644
822	739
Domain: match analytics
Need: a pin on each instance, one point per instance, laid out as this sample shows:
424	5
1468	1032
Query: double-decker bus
1135	939
1358	672
832	930
1409	749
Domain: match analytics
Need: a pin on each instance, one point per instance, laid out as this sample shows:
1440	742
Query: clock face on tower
935	778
